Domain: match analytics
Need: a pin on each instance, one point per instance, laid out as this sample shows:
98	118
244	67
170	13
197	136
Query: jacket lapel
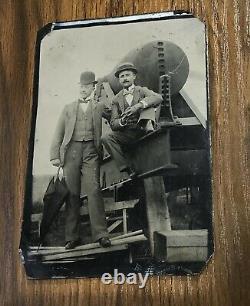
121	101
72	121
94	111
136	96
74	114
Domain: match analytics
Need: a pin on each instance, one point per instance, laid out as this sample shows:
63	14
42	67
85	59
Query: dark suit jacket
140	93
66	125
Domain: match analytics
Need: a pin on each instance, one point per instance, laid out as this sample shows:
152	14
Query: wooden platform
55	254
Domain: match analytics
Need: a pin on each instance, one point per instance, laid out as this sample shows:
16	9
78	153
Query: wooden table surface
225	281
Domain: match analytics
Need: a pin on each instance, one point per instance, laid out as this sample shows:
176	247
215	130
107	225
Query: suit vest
84	129
133	119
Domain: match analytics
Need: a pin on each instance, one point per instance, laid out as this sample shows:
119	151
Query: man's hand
123	121
133	109
56	162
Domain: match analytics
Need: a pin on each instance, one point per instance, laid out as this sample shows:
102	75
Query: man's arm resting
151	98
133	109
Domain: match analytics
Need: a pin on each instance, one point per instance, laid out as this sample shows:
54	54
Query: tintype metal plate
119	165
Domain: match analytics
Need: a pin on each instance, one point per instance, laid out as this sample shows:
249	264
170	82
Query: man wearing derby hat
132	106
76	148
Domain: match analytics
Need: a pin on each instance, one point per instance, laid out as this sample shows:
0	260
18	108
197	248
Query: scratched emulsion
225	281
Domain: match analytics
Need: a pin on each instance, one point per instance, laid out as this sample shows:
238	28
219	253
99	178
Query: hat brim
94	82
120	70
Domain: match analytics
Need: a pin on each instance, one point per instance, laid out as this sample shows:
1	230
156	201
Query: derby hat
87	77
125	66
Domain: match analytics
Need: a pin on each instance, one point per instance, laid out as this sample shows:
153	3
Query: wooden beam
80	251
58	250
156	207
70	260
125	226
114	225
189	121
130	234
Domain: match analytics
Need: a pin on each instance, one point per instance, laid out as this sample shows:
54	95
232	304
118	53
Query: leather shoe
104	242
132	174
72	244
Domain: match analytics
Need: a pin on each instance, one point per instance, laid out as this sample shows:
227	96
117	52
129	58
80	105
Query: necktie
128	92
83	101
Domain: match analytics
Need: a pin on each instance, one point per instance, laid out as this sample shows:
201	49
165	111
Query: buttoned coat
66	124
140	93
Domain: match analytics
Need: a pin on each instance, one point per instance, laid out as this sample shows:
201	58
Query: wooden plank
62	250
56	250
85	252
156	207
114	225
80	250
130	234
125	226
45	248
189	121
111	235
70	260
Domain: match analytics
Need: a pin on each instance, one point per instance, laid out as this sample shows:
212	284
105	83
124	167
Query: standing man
132	106
76	148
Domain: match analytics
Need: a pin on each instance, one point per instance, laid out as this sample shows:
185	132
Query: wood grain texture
225	281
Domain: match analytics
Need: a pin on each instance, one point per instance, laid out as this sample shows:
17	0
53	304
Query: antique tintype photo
119	168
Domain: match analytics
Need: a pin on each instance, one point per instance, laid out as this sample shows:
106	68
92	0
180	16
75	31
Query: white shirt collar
132	87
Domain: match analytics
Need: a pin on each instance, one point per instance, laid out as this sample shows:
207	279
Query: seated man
129	106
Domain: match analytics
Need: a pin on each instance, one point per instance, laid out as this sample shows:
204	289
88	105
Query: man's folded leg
114	142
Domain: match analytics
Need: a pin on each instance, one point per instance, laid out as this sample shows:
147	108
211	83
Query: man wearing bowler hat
132	115
76	148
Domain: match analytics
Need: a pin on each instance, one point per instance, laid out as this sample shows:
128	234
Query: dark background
225	281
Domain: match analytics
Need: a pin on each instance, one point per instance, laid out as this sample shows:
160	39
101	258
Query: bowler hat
87	77
125	66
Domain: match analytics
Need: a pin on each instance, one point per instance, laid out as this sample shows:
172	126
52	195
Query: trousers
81	168
116	141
